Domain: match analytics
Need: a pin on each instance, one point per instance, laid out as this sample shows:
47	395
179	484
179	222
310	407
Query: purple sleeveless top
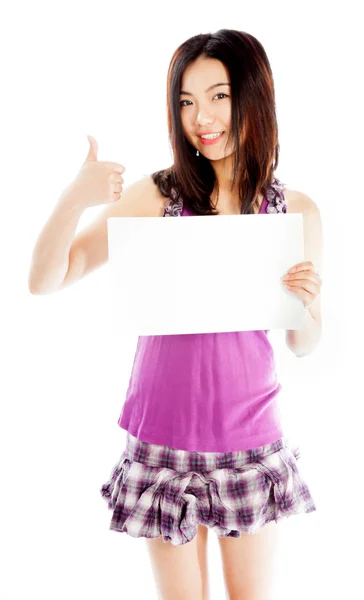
209	392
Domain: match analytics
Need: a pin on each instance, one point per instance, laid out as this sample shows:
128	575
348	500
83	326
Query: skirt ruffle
154	501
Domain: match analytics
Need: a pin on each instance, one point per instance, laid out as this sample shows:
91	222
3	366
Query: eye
182	101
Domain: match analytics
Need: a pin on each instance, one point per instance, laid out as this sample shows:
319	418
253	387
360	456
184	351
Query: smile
211	140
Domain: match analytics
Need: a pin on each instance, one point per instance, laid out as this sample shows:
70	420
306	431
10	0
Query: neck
224	174
229	199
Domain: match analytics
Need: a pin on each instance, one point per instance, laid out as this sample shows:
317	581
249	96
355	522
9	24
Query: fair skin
209	110
181	571
206	107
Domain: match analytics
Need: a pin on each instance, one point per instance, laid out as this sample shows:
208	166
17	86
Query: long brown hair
254	127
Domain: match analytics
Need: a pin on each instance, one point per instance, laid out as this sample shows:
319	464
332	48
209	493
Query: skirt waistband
154	455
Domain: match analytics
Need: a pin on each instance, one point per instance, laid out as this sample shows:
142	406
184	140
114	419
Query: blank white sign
203	274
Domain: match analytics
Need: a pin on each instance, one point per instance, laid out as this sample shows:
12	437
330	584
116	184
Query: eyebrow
208	89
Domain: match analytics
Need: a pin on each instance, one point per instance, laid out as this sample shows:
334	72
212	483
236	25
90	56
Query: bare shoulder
141	199
299	202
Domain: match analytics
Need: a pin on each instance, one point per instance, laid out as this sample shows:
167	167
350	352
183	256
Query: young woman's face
206	107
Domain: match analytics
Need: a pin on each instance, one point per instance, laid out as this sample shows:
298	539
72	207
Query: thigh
248	563
202	544
176	569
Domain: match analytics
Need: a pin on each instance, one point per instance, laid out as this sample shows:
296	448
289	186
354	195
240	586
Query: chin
220	156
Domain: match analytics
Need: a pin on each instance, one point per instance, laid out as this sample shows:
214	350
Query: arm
303	341
50	258
60	258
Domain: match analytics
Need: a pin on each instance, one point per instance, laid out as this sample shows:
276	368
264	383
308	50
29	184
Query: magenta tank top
209	392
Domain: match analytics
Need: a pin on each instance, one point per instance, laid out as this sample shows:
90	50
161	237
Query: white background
71	69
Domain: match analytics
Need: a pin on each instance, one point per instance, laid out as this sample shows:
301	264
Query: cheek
187	129
225	115
186	120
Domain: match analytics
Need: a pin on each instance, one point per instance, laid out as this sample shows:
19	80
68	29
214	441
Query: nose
204	118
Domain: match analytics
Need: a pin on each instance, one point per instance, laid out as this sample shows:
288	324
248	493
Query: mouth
213	140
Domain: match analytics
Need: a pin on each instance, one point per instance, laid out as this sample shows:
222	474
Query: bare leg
178	569
248	563
202	536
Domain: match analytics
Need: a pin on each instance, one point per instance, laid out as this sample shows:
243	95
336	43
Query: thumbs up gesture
99	182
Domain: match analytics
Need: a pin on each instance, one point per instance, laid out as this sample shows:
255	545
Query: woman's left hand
303	279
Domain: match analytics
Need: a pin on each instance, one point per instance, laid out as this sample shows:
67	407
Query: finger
304	284
114	166
301	266
305	296
303	275
116	178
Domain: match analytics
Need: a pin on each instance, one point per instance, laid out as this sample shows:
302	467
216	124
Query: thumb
92	153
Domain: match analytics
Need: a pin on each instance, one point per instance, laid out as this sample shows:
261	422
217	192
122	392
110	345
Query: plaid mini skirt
159	491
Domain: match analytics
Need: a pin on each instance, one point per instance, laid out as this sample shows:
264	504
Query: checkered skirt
159	491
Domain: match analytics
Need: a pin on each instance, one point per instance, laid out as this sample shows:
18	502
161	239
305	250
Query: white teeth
211	136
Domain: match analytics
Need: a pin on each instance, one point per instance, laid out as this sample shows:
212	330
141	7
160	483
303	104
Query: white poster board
203	275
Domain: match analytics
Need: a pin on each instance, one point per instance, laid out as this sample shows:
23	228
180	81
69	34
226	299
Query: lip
209	142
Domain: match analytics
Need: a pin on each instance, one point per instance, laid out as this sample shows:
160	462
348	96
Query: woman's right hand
98	182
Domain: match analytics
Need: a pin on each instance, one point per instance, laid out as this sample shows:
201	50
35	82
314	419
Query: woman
205	446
